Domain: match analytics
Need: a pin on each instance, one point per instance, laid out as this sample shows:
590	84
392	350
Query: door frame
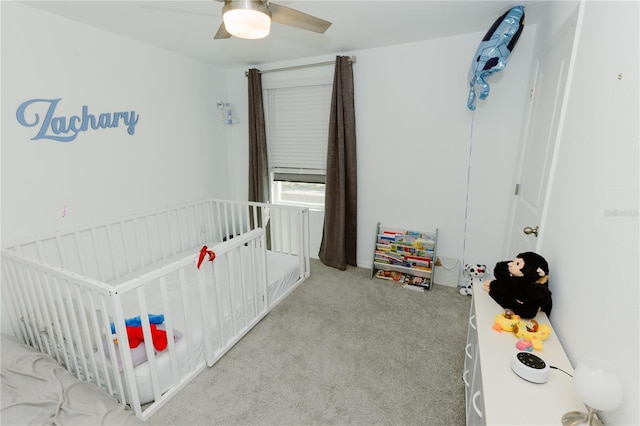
572	24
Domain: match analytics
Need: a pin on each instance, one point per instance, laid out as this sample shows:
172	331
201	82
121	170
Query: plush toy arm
486	285
501	271
501	292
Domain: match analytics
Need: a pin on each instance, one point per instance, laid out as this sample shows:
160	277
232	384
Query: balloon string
466	205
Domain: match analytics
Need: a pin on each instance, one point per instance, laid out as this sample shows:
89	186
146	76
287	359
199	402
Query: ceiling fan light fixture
247	19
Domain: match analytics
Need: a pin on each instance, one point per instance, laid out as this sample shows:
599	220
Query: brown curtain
258	165
339	236
258	159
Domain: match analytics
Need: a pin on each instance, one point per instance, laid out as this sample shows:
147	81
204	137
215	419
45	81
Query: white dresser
495	395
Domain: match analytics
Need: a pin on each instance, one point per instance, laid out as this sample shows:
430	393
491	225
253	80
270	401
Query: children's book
390	275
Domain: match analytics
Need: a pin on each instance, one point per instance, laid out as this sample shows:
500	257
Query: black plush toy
521	285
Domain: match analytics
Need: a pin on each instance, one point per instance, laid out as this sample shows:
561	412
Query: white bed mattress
282	275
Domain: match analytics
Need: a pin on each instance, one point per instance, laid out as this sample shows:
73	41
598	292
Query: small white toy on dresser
474	275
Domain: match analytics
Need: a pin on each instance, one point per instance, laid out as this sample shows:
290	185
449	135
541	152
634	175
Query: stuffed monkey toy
521	285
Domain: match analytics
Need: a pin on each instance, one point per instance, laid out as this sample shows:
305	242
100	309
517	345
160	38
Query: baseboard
447	271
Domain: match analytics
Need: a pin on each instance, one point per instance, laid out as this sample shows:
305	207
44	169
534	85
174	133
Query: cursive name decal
66	129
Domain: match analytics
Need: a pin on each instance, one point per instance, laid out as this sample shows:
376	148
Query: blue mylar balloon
493	52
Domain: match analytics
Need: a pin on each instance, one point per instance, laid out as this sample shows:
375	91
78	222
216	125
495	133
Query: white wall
414	133
176	154
590	229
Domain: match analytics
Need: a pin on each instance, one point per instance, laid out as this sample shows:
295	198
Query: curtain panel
258	160
339	237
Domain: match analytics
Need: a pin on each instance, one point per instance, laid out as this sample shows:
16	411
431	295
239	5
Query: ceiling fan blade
294	18
222	32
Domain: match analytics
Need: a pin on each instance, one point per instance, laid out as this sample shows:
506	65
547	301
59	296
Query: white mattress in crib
282	275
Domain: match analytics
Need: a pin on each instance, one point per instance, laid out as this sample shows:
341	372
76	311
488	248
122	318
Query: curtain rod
351	59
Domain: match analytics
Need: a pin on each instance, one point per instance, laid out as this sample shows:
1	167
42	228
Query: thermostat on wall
530	367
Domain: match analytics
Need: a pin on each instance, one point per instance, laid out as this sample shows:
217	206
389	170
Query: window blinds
297	127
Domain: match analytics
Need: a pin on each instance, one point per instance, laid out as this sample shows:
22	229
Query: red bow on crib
203	252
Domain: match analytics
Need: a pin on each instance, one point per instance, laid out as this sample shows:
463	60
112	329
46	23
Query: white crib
72	294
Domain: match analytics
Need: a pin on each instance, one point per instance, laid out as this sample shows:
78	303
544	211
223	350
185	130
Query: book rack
405	256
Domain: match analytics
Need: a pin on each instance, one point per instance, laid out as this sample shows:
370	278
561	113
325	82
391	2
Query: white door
543	122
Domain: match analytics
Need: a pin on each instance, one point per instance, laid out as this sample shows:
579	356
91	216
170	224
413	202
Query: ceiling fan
251	19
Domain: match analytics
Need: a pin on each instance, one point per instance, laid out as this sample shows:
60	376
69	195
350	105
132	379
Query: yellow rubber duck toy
532	332
506	321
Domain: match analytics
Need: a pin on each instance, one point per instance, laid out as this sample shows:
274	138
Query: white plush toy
474	275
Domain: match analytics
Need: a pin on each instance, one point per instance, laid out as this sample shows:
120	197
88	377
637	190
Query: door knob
529	230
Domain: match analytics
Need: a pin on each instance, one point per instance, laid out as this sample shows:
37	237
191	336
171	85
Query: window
297	121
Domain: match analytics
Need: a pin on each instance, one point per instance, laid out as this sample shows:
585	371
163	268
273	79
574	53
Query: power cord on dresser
560	369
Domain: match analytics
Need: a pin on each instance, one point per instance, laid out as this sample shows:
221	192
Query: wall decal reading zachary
66	129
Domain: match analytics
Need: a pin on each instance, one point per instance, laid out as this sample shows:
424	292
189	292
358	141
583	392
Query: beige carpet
341	349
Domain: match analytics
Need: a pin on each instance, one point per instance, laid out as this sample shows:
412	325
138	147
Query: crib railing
65	290
112	251
81	321
287	227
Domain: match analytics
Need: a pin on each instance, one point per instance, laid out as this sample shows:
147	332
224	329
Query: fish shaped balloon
493	52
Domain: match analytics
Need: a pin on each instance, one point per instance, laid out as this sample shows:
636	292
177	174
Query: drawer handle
464	378
466	351
471	321
475	406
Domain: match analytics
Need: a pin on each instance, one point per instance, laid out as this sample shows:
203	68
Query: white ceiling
188	26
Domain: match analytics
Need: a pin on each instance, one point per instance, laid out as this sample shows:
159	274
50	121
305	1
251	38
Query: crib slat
186	309
209	348
80	251
303	250
125	248
97	257
10	282
112	365
125	355
91	332
63	329
192	231
244	283
80	329
61	252
178	226
160	234
231	278
171	344
237	215
146	331
40	251
29	298
138	244
175	231
263	271
277	225
289	230
22	276
257	301
112	252
226	222
53	328
75	345
43	308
